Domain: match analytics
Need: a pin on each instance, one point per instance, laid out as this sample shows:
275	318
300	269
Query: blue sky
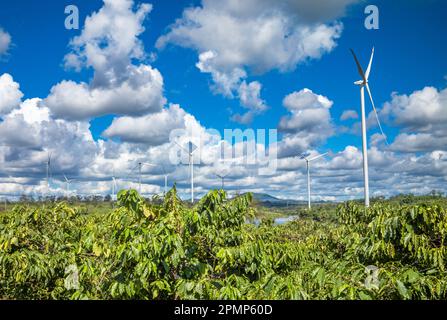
40	43
410	55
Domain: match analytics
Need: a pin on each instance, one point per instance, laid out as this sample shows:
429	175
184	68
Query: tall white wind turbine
363	83
308	161
191	147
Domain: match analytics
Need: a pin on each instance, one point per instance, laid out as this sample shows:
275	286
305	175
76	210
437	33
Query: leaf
147	212
14	241
97	250
113	289
364	296
403	291
321	277
411	276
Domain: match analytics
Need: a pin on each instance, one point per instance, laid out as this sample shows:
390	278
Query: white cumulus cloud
422	118
10	94
152	129
308	124
110	44
232	37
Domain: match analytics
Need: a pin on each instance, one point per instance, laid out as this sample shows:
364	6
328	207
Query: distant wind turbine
222	175
48	168
191	147
166	179
140	166
67	184
164	174
139	177
114	186
305	157
364	83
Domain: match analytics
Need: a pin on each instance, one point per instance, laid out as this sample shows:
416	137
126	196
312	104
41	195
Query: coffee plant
167	250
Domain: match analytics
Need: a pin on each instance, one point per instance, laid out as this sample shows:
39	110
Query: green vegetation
166	250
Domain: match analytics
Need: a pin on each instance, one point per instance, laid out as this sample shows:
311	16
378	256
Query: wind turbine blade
318	157
369	65
149	164
191	147
375	112
181	147
65	177
359	67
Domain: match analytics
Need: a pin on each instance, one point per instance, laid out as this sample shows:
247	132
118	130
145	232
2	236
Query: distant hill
268	200
271	201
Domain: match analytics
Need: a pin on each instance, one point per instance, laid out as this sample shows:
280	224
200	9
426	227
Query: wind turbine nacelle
359	83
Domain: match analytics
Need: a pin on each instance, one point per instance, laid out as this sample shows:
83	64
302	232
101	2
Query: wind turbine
222	175
305	157
191	147
364	83
140	165
166	179
139	177
164	174
114	186
67	184
48	167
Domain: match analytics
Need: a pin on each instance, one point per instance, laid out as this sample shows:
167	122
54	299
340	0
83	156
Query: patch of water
276	222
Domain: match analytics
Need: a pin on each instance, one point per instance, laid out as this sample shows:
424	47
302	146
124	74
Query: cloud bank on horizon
234	42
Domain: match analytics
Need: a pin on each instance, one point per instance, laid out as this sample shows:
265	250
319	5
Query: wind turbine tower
114	186
363	83
190	148
166	179
67	184
140	166
308	161
222	178
222	175
48	169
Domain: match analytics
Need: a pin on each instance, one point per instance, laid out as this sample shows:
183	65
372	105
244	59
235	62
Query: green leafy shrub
167	250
